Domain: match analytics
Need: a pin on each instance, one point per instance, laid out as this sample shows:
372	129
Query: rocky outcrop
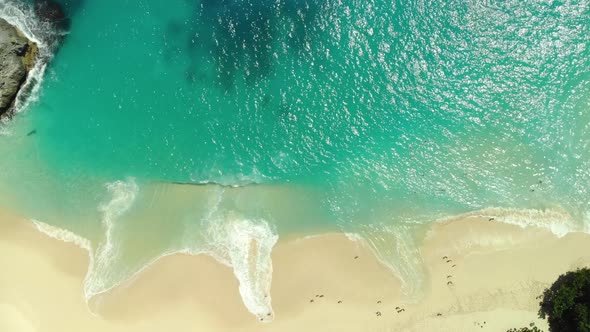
17	58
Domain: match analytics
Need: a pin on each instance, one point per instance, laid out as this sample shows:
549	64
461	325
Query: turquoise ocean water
297	117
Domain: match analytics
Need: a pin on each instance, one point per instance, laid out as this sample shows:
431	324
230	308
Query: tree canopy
566	304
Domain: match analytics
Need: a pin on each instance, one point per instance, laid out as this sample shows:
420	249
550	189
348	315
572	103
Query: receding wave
245	243
63	235
558	222
123	194
397	247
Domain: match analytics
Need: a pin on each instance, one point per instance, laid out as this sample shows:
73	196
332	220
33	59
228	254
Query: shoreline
499	270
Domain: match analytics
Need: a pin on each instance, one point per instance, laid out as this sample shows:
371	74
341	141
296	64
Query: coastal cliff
17	58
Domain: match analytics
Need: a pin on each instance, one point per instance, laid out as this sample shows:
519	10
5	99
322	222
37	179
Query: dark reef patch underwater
374	118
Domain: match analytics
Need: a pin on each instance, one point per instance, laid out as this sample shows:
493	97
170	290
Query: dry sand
499	271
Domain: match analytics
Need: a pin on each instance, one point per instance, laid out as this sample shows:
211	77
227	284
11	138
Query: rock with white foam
17	58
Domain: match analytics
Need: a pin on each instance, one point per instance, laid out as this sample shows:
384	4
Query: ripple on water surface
372	117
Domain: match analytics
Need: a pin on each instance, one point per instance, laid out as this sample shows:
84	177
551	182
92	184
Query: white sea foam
241	243
100	274
24	19
558	222
395	247
4	131
63	235
22	16
233	180
246	246
354	237
192	228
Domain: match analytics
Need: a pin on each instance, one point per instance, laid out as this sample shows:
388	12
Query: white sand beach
496	270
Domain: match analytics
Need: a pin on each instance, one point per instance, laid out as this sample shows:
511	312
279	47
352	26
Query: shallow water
370	117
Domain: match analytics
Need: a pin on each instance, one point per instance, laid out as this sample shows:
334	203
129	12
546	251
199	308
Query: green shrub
566	304
526	329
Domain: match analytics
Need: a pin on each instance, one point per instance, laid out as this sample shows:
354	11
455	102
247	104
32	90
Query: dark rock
17	57
52	12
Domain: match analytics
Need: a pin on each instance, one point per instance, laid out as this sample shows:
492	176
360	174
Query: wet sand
323	283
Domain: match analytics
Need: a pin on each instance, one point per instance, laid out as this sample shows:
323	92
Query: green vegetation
532	328
566	304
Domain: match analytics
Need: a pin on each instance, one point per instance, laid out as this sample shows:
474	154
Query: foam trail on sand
560	223
100	273
245	245
63	235
241	243
395	247
354	237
